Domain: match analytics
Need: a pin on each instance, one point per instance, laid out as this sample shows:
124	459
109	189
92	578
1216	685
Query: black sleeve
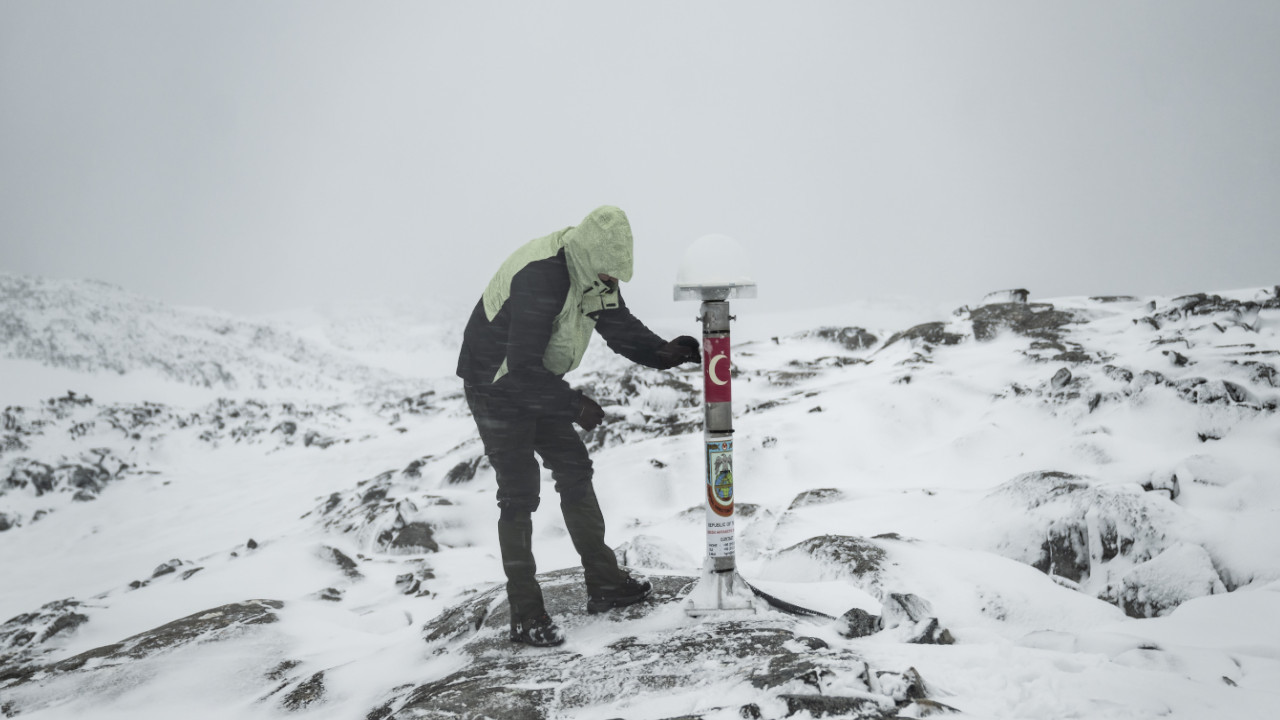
537	296
627	336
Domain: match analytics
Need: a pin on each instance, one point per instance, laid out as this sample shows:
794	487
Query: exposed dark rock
1038	488
208	625
386	513
166	568
817	496
414	537
306	693
1204	391
314	437
345	563
1034	320
932	333
1061	379
852	338
915	613
1243	313
1065	552
787	378
22	637
1118	374
1113	298
858	623
862	708
408	584
329	595
813	643
1166	483
858	558
464	471
905	609
924	707
931	632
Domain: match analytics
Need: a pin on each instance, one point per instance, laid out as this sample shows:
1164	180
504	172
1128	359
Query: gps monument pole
713	272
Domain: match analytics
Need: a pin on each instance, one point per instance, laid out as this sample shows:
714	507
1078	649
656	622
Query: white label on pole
720	498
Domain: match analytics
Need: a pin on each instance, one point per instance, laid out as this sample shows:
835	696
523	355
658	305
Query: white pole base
721	593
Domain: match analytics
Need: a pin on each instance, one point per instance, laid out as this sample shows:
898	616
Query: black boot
515	538
630	592
539	631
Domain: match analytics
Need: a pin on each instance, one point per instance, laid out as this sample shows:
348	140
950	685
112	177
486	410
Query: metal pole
718	433
720	590
713	271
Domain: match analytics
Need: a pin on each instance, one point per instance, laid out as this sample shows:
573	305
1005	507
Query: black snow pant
510	441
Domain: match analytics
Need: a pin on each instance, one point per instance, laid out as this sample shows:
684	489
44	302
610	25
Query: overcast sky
259	155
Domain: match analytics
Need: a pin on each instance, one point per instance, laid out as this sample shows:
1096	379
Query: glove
681	350
589	413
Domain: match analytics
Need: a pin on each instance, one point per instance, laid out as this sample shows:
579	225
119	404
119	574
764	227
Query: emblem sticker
720	477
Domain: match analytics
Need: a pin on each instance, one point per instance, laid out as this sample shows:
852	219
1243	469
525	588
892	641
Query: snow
932	458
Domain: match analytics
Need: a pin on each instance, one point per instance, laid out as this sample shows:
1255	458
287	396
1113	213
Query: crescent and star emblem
711	370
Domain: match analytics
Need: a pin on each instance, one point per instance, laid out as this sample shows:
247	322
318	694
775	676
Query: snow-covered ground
1085	491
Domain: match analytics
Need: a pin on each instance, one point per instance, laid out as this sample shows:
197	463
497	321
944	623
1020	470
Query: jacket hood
601	243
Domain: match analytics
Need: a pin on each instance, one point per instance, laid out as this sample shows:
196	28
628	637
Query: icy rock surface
605	659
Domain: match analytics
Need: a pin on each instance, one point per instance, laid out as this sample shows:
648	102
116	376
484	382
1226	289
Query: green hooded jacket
601	243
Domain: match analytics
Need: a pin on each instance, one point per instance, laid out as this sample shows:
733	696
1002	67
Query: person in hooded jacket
531	326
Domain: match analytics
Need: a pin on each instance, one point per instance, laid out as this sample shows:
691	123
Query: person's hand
681	350
589	413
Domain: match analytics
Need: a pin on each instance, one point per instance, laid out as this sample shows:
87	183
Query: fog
258	156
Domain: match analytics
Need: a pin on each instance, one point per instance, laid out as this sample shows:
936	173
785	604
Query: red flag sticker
716	369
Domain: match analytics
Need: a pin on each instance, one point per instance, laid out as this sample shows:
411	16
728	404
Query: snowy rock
914	615
1166	482
927	335
1202	390
387	513
28	637
1070	528
111	664
855	558
1181	573
817	496
464	471
1034	320
851	338
838	707
1061	379
305	694
653	552
856	623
